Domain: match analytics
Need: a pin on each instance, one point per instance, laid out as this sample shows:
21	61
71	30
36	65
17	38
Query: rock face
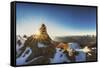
41	46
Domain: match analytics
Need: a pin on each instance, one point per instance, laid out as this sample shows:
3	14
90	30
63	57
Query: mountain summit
42	34
41	47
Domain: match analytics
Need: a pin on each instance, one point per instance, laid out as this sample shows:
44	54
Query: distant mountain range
82	40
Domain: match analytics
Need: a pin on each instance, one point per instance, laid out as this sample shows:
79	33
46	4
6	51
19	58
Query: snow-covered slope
81	56
59	57
22	59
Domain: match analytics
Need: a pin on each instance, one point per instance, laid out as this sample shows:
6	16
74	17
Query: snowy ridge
22	59
21	41
40	45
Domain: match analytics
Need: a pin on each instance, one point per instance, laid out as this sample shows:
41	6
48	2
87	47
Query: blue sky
60	20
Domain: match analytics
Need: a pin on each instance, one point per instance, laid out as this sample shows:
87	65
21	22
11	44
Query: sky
60	20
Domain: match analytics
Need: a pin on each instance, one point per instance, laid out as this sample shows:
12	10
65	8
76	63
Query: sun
38	33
